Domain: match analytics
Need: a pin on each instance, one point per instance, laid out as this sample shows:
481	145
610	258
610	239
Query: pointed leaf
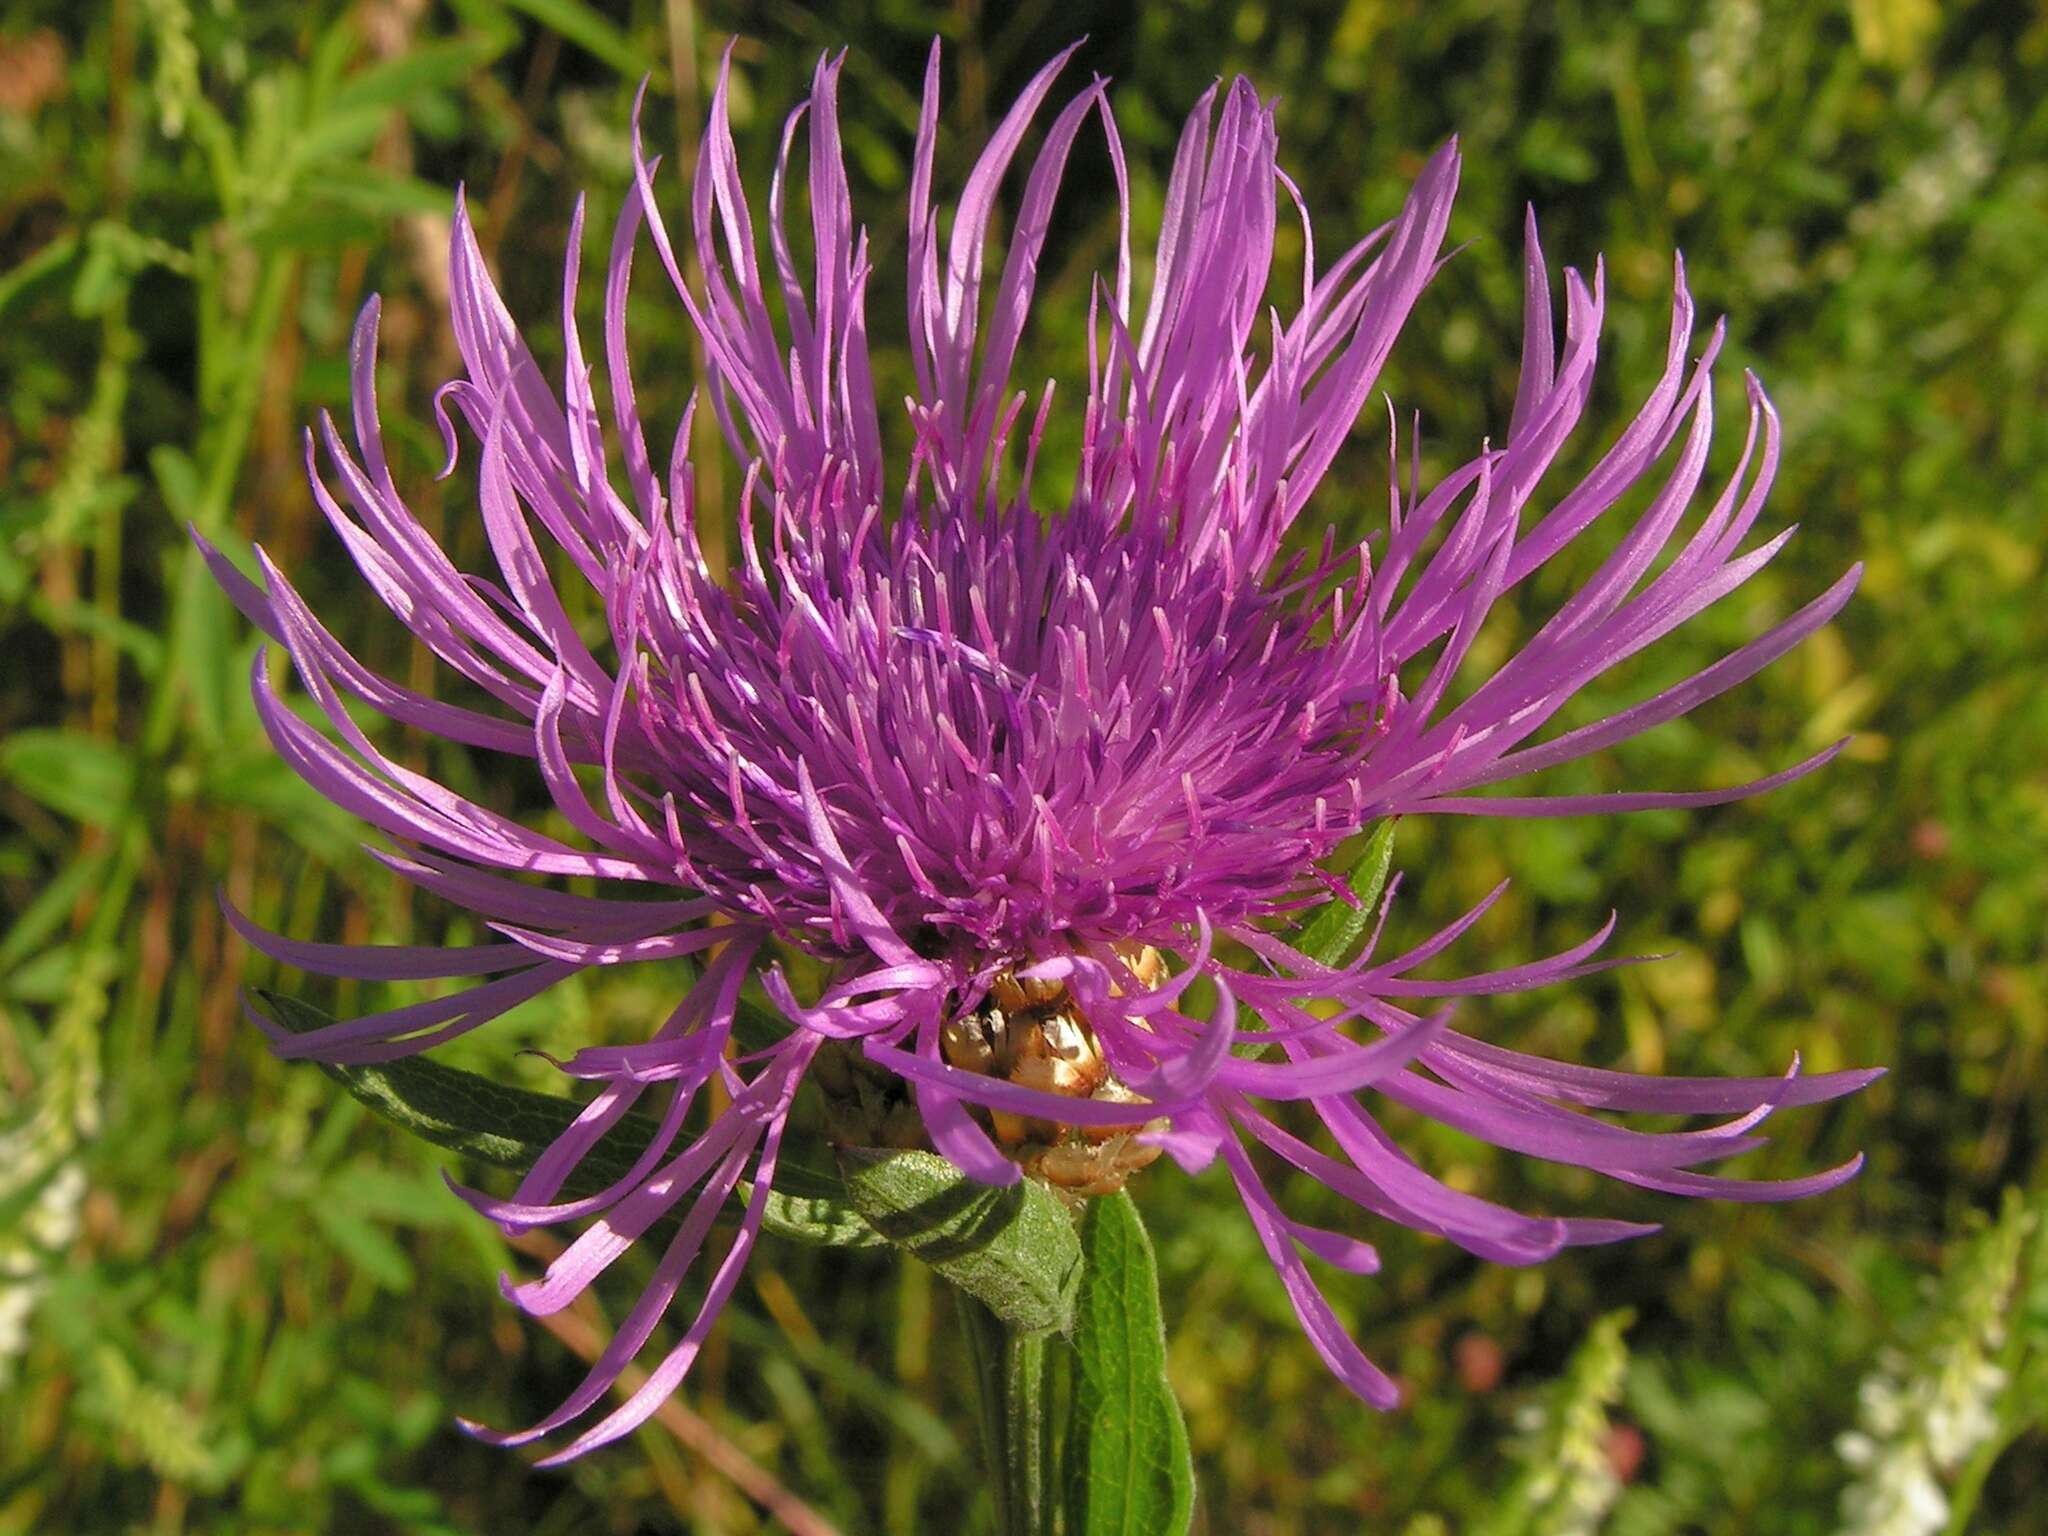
403	78
1333	932
74	774
510	1127
596	34
25	274
1013	1249
1127	1467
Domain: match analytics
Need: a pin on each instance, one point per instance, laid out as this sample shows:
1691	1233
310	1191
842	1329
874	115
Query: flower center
1034	1034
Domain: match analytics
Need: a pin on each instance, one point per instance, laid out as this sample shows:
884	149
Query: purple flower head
1020	763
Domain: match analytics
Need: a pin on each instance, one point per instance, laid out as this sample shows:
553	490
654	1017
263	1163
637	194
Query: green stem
1017	1380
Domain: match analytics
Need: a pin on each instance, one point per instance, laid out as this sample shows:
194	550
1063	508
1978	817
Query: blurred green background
231	1301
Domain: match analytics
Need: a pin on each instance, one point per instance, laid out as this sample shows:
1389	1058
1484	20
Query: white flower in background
1920	1419
42	1153
48	1226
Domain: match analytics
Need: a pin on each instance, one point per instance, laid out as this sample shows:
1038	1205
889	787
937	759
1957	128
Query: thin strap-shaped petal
375	962
668	1375
1329	1337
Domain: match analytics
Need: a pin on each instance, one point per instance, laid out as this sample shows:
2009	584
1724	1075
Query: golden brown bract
1032	1032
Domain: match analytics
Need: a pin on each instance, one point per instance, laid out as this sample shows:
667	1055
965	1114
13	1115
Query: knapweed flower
1018	764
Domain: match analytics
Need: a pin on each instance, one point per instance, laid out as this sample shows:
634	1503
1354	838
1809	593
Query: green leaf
1013	1249
256	780
46	977
365	1244
343	135
380	194
1329	937
139	645
25	274
1128	1469
510	1127
51	909
588	29
74	774
755	1027
177	478
403	78
309	225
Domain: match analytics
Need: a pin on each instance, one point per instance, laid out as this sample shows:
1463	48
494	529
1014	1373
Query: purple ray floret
944	724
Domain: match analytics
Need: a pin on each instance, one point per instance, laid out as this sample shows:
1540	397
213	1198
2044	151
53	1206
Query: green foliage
1128	1472
510	1128
1330	936
1906	1415
1566	1482
1013	1250
233	1301
1922	1421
